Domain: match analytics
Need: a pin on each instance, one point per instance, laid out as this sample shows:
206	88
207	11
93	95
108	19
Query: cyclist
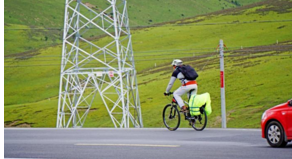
187	85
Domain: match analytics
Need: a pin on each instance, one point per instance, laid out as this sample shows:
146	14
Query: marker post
223	107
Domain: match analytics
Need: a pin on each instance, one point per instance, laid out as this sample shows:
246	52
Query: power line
208	61
155	59
175	50
153	51
46	59
257	55
180	51
237	22
264	52
167	25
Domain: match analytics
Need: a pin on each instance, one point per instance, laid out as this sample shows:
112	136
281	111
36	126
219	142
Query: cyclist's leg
182	90
178	93
193	87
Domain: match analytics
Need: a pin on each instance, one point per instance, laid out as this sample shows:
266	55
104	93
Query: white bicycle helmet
177	62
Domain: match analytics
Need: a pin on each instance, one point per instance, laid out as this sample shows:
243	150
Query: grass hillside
257	68
38	23
51	13
242	2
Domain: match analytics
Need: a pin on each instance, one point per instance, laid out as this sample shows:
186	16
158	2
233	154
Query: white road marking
134	145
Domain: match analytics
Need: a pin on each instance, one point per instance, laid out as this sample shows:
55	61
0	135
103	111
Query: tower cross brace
97	67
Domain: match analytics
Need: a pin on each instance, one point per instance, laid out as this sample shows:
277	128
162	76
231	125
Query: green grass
200	35
33	83
37	24
28	39
34	13
243	2
245	95
50	13
253	84
38	114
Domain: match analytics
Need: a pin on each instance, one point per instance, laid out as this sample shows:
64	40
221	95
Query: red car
277	124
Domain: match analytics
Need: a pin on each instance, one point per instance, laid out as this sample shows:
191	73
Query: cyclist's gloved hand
166	93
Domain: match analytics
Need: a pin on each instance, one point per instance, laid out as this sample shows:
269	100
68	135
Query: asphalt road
140	144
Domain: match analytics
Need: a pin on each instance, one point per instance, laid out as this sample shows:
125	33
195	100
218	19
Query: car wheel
275	134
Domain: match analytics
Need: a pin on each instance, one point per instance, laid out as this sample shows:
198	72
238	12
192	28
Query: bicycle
171	116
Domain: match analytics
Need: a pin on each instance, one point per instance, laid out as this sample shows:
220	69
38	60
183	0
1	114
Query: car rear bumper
263	129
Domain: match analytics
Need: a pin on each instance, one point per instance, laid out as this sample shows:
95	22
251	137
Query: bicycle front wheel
200	121
171	117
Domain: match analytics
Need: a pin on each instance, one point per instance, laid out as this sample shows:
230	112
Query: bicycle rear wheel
171	117
200	121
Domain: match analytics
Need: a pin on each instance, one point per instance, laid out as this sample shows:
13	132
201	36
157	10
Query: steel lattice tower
97	60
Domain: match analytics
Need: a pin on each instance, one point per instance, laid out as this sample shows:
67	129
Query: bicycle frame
174	103
192	119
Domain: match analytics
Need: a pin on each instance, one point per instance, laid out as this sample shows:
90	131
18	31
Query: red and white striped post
223	107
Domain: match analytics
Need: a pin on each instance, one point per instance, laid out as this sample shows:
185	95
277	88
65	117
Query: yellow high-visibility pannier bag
197	101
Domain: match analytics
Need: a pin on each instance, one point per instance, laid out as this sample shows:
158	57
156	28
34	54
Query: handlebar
167	94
